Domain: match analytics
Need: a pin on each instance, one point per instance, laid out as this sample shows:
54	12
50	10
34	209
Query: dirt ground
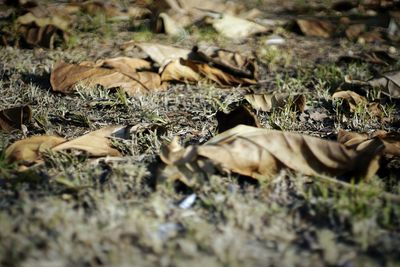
75	211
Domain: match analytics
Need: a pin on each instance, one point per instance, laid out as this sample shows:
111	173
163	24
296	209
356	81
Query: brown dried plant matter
262	153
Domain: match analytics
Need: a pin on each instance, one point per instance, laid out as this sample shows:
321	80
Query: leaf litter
219	150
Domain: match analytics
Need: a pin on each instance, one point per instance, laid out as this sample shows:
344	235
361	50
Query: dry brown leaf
165	24
262	153
228	61
95	144
217	75
175	71
161	54
28	151
236	28
269	102
316	28
65	76
189	71
14	118
359	141
240	115
221	66
389	83
351	99
42	31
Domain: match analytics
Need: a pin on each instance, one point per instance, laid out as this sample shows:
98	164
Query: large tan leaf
14	118
316	28
359	141
269	102
161	54
236	28
262	153
65	76
29	150
96	144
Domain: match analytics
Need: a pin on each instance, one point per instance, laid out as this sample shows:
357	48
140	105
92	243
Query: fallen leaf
316	28
226	60
359	141
95	144
42	31
236	28
221	66
389	83
269	102
14	118
226	68
28	151
176	71
65	76
161	54
262	153
240	115
352	101
165	24
217	75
